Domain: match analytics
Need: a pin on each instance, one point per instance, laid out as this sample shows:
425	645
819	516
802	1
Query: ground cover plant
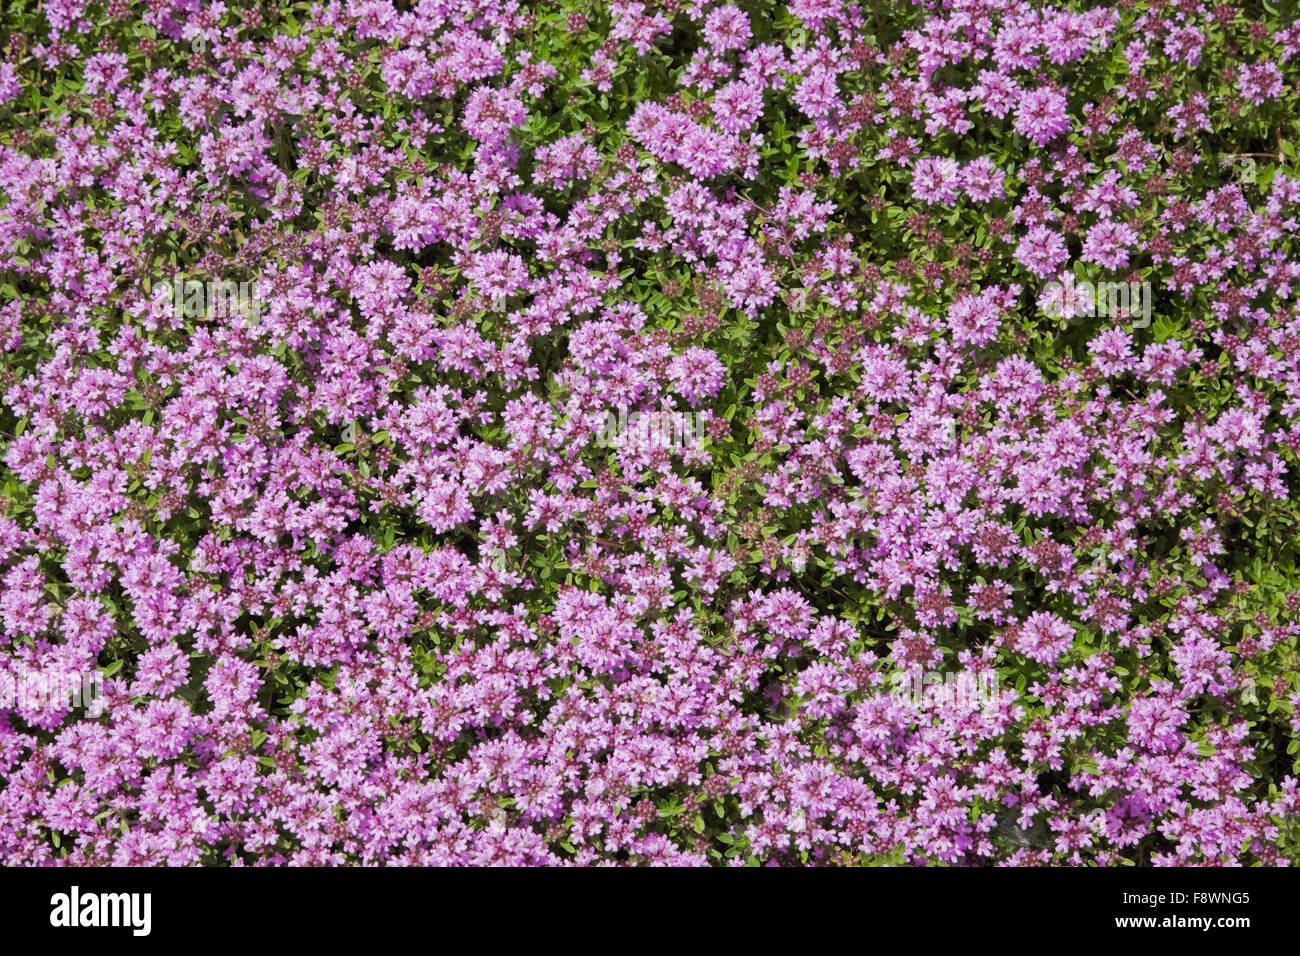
665	432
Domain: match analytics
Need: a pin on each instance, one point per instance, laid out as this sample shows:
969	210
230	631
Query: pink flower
1042	251
936	180
697	374
1107	243
1043	637
1042	114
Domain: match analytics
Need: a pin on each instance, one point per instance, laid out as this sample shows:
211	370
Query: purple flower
1042	114
1042	251
936	180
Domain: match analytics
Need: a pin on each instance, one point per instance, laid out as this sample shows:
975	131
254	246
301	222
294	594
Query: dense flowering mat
649	432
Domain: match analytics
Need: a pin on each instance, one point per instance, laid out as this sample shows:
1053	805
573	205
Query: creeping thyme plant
649	431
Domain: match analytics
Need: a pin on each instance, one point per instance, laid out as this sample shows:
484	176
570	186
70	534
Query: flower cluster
366	584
